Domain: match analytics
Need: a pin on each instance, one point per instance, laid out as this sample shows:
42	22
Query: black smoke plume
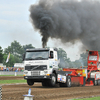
68	20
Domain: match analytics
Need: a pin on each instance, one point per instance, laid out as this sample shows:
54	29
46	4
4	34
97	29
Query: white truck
41	65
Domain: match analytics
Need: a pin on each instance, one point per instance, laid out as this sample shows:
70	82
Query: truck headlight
45	71
25	72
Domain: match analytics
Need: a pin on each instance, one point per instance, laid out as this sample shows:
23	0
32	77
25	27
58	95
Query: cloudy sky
15	25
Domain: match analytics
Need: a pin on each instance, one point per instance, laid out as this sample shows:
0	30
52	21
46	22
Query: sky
15	25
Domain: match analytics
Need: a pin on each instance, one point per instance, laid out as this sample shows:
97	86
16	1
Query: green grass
12	81
94	98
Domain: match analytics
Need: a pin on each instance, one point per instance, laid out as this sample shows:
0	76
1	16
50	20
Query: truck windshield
37	55
93	58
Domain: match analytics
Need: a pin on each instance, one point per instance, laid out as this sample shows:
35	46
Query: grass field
12	81
93	98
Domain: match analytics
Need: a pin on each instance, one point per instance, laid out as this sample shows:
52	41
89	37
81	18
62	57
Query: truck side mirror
23	56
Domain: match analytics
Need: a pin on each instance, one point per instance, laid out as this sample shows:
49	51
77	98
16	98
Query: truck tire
68	82
95	82
30	82
99	82
52	81
45	83
84	81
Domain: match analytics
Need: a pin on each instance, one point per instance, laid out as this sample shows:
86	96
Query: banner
8	57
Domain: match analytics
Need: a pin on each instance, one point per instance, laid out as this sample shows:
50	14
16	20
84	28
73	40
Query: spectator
7	69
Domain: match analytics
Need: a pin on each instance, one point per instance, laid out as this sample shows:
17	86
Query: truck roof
36	49
40	49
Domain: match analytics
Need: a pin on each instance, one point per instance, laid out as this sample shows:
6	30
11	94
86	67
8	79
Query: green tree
29	46
77	64
83	59
1	55
11	61
62	55
15	49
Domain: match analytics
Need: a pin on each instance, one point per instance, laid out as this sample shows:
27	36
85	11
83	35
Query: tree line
17	50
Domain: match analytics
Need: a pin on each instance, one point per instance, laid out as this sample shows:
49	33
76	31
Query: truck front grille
36	67
35	73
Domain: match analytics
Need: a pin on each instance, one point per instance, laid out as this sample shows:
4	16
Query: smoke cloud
68	20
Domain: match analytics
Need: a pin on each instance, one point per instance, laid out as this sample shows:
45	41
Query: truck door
53	59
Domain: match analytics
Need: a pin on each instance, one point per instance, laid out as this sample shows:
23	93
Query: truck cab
40	65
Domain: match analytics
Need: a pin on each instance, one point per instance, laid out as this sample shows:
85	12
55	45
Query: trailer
41	65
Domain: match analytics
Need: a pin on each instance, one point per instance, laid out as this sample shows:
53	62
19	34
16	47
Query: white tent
1	65
17	65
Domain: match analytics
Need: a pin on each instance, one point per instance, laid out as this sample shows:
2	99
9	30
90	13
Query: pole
0	93
15	73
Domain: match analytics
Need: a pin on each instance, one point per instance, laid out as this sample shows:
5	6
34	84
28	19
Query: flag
8	57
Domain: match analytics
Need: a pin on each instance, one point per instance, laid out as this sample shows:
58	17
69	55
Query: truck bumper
37	78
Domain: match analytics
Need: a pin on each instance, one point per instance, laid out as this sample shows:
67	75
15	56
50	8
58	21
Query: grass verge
93	98
12	81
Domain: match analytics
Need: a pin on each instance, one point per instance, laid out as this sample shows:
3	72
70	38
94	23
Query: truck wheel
95	82
68	82
52	81
84	81
30	82
44	83
98	82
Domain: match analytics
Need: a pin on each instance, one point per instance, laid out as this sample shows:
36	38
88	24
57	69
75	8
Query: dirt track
16	92
11	77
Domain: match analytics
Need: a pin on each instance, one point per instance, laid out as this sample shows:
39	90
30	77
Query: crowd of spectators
11	69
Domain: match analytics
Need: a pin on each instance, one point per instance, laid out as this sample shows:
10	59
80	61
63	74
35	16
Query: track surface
16	92
11	77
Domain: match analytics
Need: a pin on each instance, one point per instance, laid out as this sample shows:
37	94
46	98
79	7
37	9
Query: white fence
10	73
